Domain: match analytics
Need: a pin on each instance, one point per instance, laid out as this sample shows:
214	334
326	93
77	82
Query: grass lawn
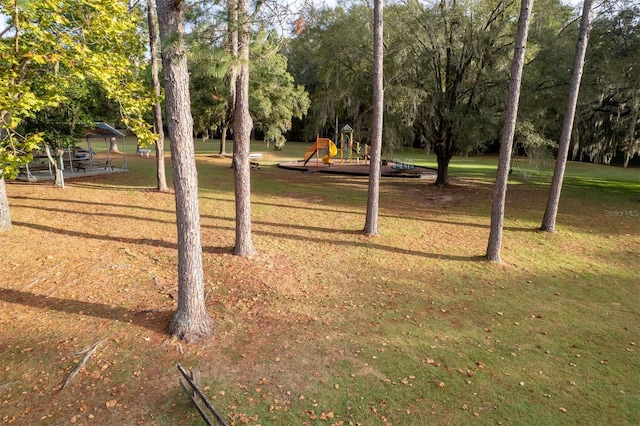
326	326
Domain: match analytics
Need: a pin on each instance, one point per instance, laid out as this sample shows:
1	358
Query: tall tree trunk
506	142
232	40
242	126
223	138
5	213
371	223
158	125
551	212
191	321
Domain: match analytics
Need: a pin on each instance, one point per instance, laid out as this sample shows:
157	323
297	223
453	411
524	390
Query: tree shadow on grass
155	320
221	250
100	214
230	219
90	203
168	222
138	241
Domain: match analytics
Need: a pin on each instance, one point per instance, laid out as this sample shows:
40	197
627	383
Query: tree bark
631	151
232	40
191	320
5	213
443	157
242	126
113	145
443	148
551	212
223	139
373	200
161	177
506	142
58	177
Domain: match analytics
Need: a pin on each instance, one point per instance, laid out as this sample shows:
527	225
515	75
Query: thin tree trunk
58	178
373	201
632	149
232	39
191	320
506	142
223	139
158	125
242	125
551	212
5	213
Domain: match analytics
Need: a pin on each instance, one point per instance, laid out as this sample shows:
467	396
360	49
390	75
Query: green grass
326	326
550	340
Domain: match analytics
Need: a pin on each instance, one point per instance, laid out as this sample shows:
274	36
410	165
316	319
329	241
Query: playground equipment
350	149
324	144
407	164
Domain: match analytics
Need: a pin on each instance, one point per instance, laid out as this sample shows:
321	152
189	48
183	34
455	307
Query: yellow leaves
430	361
327	416
407	380
244	419
59	19
469	373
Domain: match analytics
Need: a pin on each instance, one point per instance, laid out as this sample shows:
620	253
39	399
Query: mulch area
388	169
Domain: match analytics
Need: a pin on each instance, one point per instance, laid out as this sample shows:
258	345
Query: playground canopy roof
347	128
106	132
103	130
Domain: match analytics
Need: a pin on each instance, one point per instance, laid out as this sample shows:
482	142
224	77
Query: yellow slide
333	150
321	143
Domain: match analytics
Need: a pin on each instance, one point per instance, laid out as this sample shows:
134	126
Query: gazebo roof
103	130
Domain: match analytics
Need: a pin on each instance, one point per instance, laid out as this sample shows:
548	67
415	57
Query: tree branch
88	352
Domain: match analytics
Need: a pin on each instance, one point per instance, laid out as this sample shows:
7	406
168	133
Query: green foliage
458	55
51	48
274	98
537	148
209	84
545	82
15	151
61	126
336	73
446	75
445	71
609	111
